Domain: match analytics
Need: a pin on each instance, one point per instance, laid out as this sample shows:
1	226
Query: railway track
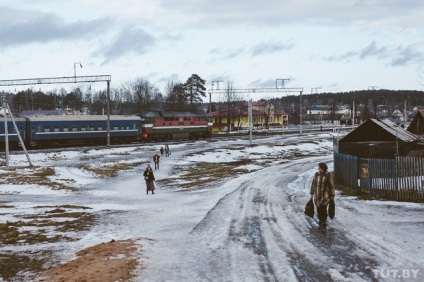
307	134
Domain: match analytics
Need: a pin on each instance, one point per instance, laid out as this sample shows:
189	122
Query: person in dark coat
161	151
149	177
156	160
322	189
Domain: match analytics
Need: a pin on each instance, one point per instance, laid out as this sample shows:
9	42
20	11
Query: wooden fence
401	178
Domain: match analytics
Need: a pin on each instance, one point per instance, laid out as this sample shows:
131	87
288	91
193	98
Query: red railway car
163	126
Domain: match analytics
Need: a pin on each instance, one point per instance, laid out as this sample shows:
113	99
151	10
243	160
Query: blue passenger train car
48	131
12	133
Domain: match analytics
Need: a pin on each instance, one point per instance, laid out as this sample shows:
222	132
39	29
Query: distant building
319	110
263	114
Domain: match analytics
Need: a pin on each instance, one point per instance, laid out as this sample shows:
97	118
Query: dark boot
153	192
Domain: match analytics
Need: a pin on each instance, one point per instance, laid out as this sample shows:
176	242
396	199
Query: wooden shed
376	138
417	124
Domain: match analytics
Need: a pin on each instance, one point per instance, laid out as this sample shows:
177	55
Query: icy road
245	226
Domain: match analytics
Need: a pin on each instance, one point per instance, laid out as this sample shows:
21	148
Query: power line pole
6	133
73	79
266	90
282	82
300	114
210	92
373	87
315	89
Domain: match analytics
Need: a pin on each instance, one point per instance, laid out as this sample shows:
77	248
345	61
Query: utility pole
210	92
75	70
267	90
315	89
404	113
282	82
300	114
6	133
70	79
250	120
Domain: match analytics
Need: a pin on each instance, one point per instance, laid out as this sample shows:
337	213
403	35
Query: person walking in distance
149	177
161	151
322	189
156	160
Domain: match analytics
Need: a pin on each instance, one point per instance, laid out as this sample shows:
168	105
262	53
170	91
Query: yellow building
264	115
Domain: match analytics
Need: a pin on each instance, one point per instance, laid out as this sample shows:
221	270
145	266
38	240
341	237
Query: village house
264	115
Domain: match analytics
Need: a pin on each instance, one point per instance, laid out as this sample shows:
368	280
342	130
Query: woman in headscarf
150	178
322	189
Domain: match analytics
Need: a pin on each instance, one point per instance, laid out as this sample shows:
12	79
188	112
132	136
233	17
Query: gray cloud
399	56
373	51
44	28
129	40
227	54
392	13
406	55
270	47
258	83
369	51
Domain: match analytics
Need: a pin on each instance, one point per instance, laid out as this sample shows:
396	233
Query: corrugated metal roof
373	130
395	130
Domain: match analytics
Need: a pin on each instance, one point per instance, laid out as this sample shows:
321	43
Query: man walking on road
322	189
156	160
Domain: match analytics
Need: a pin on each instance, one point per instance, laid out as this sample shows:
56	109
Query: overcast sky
320	45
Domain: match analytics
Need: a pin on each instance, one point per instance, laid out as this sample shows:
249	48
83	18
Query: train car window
56	128
83	127
115	127
39	128
65	128
74	127
123	127
91	127
47	128
100	127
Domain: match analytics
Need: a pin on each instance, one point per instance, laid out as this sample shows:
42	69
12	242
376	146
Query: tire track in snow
267	223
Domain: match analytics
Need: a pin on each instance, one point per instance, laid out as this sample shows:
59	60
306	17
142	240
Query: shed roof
379	130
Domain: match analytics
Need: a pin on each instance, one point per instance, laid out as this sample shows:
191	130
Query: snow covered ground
245	223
